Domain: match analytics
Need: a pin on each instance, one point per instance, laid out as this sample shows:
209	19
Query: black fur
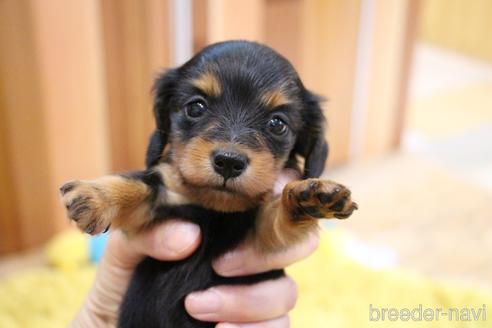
312	146
154	150
155	297
246	70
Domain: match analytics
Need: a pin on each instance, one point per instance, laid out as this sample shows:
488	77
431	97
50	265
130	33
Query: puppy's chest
221	231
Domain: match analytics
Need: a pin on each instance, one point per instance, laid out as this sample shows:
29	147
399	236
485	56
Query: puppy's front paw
318	199
87	205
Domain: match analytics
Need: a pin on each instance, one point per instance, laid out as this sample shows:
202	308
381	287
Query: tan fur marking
261	173
193	162
276	230
95	204
208	83
275	98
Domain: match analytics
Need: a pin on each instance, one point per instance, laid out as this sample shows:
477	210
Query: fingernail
228	263
179	236
205	302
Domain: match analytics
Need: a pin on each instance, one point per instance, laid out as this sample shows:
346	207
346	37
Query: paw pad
86	206
320	199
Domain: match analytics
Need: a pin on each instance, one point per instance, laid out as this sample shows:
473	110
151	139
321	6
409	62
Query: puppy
228	121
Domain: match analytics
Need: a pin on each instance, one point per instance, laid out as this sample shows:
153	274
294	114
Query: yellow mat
334	292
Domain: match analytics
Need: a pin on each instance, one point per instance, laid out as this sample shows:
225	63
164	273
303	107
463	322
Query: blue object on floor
97	244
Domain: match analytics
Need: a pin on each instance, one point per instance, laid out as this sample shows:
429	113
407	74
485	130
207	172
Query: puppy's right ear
311	143
163	90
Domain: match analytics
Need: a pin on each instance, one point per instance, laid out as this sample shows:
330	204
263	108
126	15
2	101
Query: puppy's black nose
229	164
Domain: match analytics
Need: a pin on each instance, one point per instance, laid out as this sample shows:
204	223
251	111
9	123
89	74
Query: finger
169	241
247	260
282	322
243	303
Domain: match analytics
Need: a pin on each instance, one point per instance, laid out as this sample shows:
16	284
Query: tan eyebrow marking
208	83
274	98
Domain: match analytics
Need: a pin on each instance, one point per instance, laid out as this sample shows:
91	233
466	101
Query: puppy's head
230	119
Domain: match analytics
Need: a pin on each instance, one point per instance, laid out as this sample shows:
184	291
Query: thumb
169	241
172	240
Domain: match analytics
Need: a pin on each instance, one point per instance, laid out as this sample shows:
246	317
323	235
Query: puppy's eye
277	126
196	108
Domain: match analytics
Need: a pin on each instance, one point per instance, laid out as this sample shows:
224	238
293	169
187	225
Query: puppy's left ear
163	90
311	142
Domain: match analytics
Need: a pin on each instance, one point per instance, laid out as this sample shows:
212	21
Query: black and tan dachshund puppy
228	121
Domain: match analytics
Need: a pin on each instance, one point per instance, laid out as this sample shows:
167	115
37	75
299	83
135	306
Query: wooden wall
75	79
137	46
463	26
27	155
387	62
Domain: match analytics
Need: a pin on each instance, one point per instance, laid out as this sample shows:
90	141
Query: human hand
170	241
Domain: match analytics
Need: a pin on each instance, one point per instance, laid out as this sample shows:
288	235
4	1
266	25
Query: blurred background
409	84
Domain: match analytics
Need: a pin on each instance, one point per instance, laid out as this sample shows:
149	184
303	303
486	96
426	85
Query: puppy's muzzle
229	164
